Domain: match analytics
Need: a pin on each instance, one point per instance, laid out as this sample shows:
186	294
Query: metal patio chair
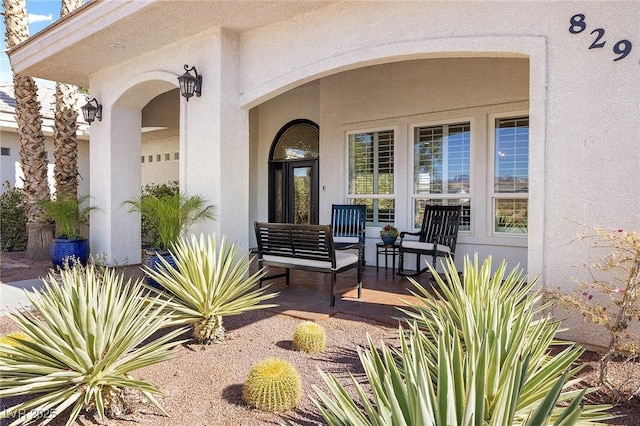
437	237
348	223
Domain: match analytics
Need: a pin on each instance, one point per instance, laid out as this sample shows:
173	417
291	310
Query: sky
41	14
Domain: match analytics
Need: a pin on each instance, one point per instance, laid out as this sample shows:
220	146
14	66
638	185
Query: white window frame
413	197
355	197
492	195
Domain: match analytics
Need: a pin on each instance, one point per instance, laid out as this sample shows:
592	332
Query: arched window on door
293	173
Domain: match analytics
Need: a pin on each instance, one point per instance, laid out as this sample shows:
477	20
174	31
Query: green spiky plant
170	215
272	385
210	281
68	213
309	337
474	354
86	337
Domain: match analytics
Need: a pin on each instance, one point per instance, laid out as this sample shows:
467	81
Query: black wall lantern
190	84
90	111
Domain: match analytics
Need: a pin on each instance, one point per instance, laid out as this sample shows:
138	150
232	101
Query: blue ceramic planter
153	262
65	250
389	240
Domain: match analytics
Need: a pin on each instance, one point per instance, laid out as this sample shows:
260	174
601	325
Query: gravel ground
203	384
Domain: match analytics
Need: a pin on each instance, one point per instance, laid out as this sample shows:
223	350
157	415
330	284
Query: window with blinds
441	169
511	175
371	174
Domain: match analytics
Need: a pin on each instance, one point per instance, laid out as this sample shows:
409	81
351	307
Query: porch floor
308	294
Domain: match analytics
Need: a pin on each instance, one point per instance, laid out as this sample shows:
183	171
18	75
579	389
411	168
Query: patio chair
437	237
348	225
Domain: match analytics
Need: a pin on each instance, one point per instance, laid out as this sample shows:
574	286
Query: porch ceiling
105	32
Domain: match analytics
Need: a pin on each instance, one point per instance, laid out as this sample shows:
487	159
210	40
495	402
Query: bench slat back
312	242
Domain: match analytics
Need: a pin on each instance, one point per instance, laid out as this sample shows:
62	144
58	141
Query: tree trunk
65	127
32	150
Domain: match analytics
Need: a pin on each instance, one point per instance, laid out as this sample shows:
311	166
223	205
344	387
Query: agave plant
83	342
476	354
207	283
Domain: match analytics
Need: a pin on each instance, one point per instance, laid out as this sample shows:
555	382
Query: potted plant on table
68	213
389	233
168	217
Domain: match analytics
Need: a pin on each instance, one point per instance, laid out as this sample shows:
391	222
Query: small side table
387	250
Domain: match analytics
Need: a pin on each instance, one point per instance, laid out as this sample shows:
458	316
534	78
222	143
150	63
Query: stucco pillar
214	136
115	177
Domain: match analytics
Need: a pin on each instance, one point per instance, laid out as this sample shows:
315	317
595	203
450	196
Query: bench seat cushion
417	245
342	259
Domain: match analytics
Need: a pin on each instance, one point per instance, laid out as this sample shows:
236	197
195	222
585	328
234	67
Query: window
371	175
167	157
5	151
142	159
441	169
511	175
176	155
150	158
158	157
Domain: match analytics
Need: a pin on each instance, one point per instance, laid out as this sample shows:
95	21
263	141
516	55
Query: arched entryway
293	173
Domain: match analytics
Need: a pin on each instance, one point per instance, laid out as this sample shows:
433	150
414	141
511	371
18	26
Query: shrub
170	216
272	385
158	190
309	337
207	283
86	338
616	276
476	353
13	219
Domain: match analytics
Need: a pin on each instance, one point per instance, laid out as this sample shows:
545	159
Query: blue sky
41	14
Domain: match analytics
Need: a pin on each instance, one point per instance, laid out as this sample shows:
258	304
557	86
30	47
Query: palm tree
32	150
65	149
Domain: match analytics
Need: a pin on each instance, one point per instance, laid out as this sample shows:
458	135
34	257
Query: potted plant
68	213
389	233
168	217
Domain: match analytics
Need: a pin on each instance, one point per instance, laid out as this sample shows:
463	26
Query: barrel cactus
273	385
309	337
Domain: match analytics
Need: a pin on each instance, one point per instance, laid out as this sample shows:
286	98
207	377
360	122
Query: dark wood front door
293	174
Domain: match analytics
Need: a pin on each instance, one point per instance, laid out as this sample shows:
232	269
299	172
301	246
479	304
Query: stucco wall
10	167
164	153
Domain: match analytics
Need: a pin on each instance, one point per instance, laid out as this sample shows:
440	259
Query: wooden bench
306	247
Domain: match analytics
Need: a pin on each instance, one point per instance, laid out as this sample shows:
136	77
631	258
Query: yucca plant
475	354
86	337
209	281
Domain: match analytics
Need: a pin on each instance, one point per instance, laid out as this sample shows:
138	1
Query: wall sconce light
90	111
190	84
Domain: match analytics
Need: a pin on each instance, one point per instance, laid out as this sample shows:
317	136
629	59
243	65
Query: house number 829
578	25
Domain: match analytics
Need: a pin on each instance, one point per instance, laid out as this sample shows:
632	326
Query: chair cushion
346	240
427	247
342	259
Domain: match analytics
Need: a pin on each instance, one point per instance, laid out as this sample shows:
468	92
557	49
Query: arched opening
293	173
